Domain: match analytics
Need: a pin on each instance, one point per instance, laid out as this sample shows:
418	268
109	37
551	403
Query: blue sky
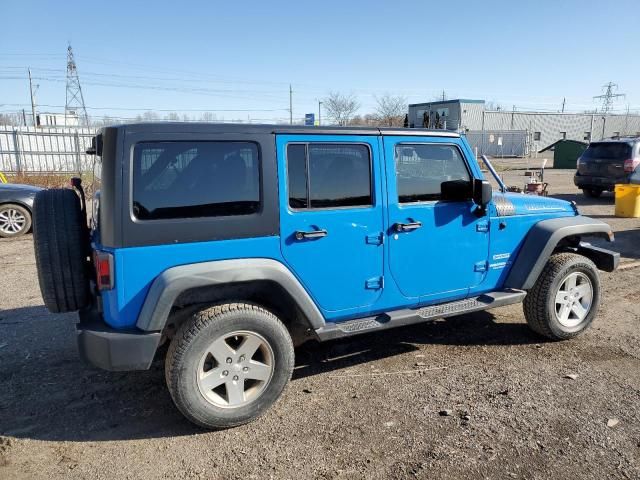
210	55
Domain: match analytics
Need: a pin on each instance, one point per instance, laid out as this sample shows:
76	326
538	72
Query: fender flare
172	282
542	240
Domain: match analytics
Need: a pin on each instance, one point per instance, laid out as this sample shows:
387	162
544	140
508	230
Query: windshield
608	151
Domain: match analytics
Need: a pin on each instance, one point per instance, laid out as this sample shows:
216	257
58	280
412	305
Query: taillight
103	263
631	164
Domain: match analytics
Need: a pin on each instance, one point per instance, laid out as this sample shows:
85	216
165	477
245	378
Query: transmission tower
74	106
608	97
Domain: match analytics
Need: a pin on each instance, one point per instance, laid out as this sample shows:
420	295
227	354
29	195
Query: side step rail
404	317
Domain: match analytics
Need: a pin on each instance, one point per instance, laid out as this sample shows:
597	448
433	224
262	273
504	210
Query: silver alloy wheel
235	369
11	221
573	299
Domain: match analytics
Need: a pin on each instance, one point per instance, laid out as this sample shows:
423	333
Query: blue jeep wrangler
234	243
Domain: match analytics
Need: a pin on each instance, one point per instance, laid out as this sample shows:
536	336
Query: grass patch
55	180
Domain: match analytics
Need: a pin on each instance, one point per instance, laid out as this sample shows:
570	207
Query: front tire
565	298
228	364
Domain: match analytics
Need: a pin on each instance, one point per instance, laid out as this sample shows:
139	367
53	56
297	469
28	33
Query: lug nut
229	360
235	377
242	358
245	369
225	373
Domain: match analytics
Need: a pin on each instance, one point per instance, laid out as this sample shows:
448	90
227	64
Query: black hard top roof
627	139
198	127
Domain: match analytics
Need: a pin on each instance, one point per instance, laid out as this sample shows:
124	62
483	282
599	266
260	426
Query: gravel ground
365	408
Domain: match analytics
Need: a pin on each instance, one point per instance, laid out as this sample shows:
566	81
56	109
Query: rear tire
15	220
565	298
592	192
214	375
60	242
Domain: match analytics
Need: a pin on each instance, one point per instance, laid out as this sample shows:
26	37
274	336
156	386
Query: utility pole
608	97
33	102
444	96
24	118
290	105
319	113
563	102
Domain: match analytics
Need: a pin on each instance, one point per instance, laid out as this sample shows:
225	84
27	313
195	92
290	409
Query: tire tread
59	244
535	305
187	332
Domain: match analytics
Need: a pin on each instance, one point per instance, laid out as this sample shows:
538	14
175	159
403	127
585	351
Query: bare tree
105	121
391	110
172	117
11	119
150	116
208	117
340	107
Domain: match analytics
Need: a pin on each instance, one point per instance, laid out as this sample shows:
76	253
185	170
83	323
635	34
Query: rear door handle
300	235
407	227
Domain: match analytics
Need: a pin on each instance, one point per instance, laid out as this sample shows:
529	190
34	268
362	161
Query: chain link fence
499	143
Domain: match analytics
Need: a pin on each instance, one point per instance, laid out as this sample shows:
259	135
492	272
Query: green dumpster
566	153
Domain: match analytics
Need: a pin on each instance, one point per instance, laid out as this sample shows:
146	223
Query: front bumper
605	260
111	349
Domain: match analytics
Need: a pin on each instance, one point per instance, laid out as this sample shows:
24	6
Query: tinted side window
297	175
195	179
335	175
421	169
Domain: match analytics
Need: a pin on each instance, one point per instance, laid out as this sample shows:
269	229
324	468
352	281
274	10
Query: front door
437	249
331	218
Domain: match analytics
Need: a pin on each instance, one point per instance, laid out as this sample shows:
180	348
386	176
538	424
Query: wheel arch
549	236
19	203
180	291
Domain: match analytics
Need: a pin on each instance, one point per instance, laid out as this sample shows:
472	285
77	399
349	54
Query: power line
137	109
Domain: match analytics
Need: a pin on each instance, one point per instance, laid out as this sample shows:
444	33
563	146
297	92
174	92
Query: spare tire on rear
60	239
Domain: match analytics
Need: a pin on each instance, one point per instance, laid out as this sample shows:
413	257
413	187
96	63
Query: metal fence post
16	144
482	144
78	162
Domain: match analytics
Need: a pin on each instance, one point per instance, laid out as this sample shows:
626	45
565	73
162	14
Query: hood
18	187
521	204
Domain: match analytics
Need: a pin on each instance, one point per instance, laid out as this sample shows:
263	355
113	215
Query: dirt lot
365	408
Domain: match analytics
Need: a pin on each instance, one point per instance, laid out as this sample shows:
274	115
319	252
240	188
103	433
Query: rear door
331	218
437	249
605	159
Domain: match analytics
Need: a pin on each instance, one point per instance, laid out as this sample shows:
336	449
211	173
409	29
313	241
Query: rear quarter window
195	179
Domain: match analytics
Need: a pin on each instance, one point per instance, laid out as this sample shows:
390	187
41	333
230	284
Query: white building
57	120
538	129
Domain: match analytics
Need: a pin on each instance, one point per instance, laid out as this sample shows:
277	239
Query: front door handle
300	235
407	227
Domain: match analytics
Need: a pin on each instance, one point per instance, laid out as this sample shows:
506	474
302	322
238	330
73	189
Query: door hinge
482	226
375	283
375	239
480	267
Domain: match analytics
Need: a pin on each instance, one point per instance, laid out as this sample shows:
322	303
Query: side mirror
456	190
482	193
